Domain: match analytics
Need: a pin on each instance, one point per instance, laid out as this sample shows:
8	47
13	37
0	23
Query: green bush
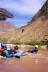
27	42
36	43
39	47
15	42
3	40
33	43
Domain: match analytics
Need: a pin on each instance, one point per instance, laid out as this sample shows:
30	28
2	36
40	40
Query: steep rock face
6	26
43	12
37	29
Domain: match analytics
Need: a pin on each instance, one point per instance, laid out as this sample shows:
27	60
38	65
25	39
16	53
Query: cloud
18	22
24	7
23	10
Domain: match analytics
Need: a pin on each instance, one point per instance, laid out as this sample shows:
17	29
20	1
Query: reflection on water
29	63
35	58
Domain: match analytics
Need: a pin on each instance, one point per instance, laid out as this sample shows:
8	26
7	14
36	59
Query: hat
36	46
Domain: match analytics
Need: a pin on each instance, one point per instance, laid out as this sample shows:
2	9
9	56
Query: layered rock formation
5	26
5	14
37	29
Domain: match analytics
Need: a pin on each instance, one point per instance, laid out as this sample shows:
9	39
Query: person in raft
11	50
16	52
5	51
2	52
7	54
35	49
3	46
16	49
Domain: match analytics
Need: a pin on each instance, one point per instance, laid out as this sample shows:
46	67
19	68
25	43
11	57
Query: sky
23	10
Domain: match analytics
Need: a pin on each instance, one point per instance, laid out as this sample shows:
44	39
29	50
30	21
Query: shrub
15	42
36	43
3	40
27	42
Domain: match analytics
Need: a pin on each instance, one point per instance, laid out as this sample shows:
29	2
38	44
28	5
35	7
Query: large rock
5	14
5	26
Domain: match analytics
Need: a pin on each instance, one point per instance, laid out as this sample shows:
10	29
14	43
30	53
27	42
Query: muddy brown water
29	63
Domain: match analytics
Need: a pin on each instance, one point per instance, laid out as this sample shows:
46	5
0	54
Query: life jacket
2	51
7	54
10	51
35	50
16	47
32	50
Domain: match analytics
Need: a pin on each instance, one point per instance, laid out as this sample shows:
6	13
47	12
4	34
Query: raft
17	55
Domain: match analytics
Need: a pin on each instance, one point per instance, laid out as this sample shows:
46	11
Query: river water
29	63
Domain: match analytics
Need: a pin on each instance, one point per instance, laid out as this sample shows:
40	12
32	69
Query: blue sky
23	10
